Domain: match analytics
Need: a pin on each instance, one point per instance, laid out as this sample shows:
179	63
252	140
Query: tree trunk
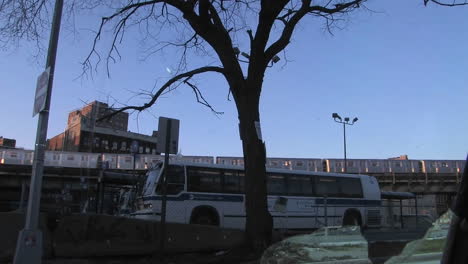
259	222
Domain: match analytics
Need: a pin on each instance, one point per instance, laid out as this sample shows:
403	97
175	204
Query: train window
70	157
128	159
13	155
444	164
276	184
375	164
299	163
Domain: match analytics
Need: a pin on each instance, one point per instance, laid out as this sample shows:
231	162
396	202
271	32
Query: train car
279	163
90	160
334	165
299	164
28	157
430	166
447	166
72	159
399	166
109	161
125	161
143	161
356	166
234	161
52	159
376	166
441	166
315	165
16	156
196	159
415	166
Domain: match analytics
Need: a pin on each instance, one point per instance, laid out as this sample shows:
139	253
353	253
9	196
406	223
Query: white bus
213	195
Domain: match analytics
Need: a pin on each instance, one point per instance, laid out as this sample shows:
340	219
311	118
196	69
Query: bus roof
274	170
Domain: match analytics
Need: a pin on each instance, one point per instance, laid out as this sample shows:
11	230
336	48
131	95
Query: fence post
325	210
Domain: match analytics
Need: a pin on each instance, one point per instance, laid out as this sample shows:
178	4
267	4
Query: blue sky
402	70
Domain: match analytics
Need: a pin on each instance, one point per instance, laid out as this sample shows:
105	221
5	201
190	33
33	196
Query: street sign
41	91
162	134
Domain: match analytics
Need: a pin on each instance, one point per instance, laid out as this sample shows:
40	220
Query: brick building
7	142
85	134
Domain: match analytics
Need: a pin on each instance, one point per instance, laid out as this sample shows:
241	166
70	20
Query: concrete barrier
10	225
105	235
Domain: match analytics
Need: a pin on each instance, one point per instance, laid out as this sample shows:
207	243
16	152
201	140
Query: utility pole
29	246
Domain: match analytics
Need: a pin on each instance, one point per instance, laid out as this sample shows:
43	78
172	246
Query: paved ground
382	245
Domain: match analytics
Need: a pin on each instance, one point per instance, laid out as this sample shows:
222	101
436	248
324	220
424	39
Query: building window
123	145
114	145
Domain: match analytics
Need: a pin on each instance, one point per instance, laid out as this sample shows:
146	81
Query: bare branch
166	86
305	9
454	3
199	96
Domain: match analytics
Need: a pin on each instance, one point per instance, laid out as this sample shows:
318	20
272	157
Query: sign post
29	245
168	142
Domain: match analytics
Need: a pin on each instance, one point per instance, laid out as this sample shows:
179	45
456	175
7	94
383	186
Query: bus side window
300	185
276	184
232	182
175	179
204	180
351	187
327	186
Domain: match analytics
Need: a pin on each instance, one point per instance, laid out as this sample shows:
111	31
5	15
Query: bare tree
217	23
215	28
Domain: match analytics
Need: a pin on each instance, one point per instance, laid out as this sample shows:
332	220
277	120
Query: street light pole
29	245
345	122
344	140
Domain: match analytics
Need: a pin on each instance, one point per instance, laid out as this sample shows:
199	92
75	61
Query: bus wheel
352	219
204	216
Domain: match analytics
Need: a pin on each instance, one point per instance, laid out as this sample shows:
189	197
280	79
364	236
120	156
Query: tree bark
259	223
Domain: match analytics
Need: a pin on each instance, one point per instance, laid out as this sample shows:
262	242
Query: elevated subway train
141	162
